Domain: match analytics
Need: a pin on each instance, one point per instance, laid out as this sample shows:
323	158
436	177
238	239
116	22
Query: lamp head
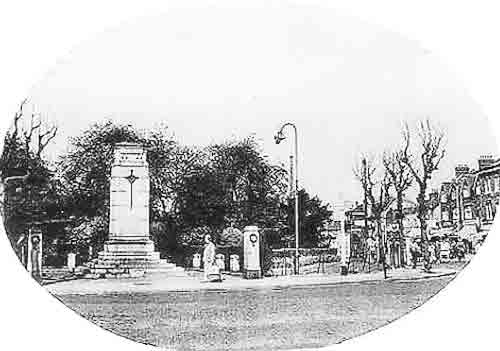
279	137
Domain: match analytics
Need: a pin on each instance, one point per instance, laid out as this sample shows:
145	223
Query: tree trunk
401	228
423	230
381	247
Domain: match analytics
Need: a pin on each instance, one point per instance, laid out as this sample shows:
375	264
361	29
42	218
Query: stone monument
129	247
251	252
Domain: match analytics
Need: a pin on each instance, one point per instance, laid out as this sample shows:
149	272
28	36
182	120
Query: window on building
468	213
446	216
466	191
489	212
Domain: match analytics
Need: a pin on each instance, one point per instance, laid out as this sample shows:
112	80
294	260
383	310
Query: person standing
208	256
414	252
437	246
432	253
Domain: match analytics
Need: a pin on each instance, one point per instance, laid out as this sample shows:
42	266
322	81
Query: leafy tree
235	185
232	237
196	236
314	216
169	165
251	184
87	232
86	168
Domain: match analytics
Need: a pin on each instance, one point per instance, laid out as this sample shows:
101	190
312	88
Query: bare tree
44	137
431	151
19	114
377	193
401	178
33	134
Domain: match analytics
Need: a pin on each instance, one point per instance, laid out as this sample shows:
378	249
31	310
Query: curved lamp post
278	138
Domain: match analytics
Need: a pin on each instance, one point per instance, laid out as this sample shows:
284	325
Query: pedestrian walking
208	257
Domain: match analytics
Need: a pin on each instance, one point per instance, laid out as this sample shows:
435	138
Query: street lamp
278	138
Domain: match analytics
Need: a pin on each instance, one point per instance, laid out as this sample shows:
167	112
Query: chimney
485	161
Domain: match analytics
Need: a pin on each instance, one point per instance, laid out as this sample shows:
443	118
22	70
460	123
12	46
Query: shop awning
468	232
441	233
412	232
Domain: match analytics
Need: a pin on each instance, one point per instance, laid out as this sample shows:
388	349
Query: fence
312	260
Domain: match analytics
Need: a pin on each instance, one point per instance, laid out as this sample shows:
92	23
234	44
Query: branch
19	114
28	134
48	135
406	157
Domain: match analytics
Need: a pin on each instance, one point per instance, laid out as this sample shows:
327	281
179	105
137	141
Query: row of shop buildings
462	208
468	202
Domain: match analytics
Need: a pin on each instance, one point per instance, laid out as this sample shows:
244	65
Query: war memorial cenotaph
129	248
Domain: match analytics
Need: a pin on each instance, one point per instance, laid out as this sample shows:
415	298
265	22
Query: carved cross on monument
131	179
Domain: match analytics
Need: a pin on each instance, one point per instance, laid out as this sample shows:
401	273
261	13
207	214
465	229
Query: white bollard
196	261
71	262
219	262
234	263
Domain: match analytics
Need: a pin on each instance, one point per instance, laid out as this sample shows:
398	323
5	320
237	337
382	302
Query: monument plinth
129	246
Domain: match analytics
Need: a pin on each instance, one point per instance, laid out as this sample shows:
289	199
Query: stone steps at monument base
126	266
142	254
175	271
136	273
126	260
131	264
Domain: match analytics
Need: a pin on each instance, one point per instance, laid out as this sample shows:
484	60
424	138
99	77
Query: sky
214	74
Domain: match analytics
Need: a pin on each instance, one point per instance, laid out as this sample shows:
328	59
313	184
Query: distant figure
460	251
432	253
208	257
372	250
437	248
414	252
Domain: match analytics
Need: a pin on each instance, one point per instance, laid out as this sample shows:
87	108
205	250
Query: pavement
158	283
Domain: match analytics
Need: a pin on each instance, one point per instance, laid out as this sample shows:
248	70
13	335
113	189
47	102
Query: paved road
260	319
